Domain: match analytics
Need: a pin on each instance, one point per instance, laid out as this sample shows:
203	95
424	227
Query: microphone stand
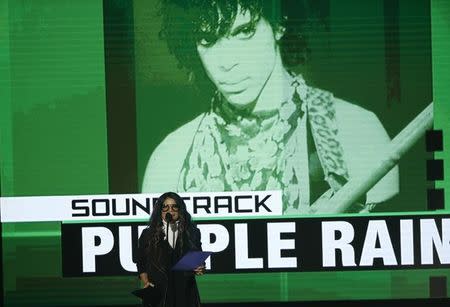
168	219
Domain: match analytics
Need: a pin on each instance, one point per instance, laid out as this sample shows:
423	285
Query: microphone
168	217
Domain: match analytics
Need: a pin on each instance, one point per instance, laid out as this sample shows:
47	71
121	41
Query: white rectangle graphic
137	206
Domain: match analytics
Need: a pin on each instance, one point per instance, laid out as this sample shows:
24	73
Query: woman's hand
200	270
145	280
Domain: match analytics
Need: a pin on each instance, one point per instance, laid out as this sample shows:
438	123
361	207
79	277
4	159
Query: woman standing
171	234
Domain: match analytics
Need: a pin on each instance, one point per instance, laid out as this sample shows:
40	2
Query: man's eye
246	33
206	42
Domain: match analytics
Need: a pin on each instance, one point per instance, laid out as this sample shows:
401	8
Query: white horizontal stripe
134	206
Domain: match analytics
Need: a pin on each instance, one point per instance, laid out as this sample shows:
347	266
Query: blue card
191	260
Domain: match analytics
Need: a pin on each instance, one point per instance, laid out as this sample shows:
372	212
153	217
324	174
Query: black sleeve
194	240
195	244
141	257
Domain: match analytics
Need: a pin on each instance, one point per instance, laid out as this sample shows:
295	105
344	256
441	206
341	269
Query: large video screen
309	140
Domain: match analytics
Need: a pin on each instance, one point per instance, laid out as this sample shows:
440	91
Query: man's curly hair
186	22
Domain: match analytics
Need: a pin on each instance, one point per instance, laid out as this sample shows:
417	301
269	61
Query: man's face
240	63
170	206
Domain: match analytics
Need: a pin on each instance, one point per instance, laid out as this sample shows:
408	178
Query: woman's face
170	206
240	63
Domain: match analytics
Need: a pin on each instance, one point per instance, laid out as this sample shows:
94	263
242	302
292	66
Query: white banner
136	206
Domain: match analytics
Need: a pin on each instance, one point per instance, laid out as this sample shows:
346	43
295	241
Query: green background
54	134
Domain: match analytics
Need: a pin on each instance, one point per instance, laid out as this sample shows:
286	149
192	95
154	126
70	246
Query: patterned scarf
268	151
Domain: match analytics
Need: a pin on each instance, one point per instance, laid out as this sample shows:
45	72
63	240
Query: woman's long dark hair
187	230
